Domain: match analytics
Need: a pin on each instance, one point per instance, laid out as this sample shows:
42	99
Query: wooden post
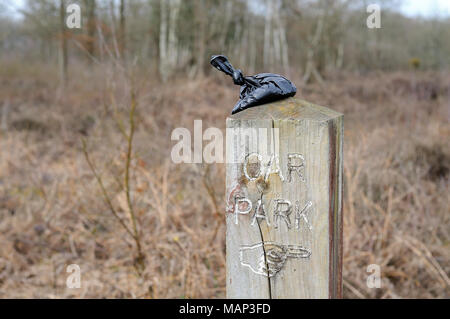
284	201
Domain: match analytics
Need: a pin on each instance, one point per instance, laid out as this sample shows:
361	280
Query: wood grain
315	133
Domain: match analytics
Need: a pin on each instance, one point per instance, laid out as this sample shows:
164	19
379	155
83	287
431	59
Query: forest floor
53	212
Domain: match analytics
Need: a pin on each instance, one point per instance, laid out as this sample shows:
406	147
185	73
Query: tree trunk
163	41
284	49
172	36
275	42
63	55
267	34
122	38
311	68
91	27
201	38
252	46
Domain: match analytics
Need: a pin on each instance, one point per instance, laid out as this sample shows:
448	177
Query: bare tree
201	25
311	68
275	41
163	67
172	39
168	39
316	37
122	36
91	7
268	57
63	54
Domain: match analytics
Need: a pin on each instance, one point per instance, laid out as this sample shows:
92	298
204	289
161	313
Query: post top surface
290	108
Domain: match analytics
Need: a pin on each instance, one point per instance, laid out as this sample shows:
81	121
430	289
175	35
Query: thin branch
127	177
104	192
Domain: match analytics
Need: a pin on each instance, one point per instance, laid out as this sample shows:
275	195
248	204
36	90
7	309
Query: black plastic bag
255	90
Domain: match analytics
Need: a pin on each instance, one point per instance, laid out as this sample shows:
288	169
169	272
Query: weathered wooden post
284	201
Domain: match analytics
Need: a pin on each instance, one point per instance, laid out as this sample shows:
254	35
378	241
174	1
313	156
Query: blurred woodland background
86	117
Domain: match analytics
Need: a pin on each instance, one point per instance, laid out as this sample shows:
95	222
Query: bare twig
136	235
104	192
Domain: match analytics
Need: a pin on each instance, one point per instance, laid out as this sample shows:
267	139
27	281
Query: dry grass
53	212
